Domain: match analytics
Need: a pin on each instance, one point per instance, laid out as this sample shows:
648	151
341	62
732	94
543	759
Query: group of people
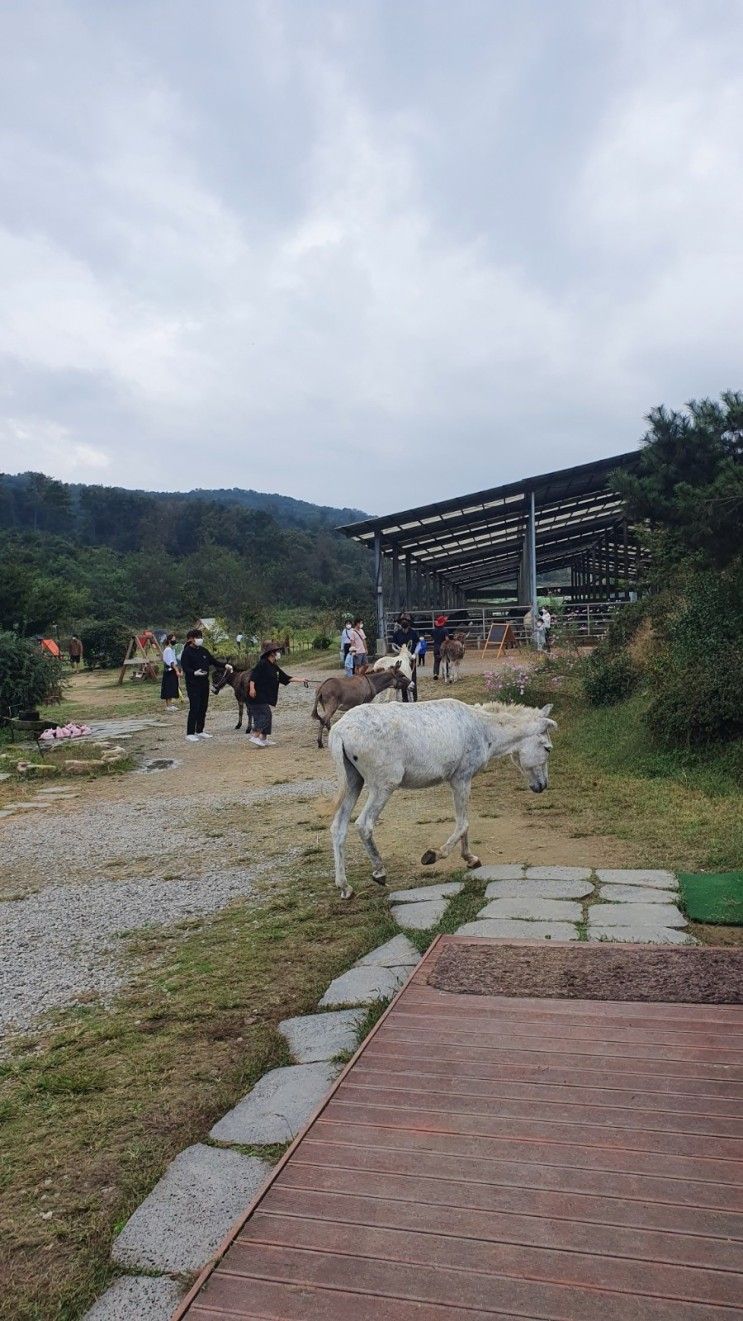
194	664
354	653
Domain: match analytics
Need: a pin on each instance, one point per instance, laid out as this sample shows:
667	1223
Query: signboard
500	636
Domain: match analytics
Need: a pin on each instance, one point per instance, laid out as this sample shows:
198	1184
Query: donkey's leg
366	822
460	790
239	714
339	826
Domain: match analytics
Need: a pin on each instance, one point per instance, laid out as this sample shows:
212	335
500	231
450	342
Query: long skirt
169	685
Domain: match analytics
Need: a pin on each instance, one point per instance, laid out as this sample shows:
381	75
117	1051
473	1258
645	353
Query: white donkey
406	660
384	748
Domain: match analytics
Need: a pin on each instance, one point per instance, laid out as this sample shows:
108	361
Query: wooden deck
511	1158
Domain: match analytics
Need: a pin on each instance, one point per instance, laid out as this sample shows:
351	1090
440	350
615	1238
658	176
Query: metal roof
475	540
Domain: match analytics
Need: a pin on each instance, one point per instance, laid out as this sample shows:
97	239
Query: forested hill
70	553
30	500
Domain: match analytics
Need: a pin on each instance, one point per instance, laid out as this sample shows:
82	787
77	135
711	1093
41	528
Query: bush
321	643
105	643
29	677
697	701
609	678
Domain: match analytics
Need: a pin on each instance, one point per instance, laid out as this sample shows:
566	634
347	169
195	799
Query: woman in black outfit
195	662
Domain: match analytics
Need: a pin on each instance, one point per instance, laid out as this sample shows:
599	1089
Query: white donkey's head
533	752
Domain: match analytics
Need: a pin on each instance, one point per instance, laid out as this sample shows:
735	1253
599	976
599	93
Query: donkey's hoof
346	893
429	857
379	877
473	863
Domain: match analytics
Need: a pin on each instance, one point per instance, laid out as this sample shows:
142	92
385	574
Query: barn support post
408	581
395	580
532	531
381	646
625	548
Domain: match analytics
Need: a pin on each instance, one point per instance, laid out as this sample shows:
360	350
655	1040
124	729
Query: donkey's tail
318	714
347	774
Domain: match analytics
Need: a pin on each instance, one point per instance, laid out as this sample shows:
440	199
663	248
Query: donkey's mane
509	713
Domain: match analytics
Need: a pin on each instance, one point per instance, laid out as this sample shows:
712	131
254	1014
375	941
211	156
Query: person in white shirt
170	688
547	622
346	641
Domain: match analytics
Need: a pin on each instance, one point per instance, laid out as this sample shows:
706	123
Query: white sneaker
258	741
270	743
192	738
205	736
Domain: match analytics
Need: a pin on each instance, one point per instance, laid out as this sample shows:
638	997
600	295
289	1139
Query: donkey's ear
546	709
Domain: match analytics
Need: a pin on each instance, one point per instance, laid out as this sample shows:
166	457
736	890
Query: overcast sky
366	253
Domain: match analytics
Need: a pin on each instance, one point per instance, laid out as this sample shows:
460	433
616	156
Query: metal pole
408	581
533	565
379	590
395	581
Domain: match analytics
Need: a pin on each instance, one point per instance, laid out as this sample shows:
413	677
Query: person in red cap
440	634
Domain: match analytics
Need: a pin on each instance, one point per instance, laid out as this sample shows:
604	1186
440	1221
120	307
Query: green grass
713	898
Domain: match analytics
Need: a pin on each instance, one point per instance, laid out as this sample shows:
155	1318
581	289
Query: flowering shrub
508	684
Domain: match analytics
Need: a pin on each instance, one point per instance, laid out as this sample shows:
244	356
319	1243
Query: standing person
263	693
539	631
547	621
405	635
346	641
358	649
169	688
420	651
75	651
195	662
439	634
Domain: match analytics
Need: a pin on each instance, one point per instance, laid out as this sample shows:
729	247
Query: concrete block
278	1106
363	986
512	929
419	917
634	894
507	871
420	893
318	1037
662	880
538	889
533	908
133	1297
187	1214
396	953
642	933
558	873
652	915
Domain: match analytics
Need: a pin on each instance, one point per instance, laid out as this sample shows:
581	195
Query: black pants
436	662
198	701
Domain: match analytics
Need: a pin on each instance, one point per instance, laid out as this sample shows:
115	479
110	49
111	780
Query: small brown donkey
337	694
238	681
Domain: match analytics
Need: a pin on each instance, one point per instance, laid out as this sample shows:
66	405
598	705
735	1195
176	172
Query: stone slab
634	894
506	871
316	1037
136	1296
422	893
643	933
533	908
396	953
558	873
511	929
278	1106
652	915
187	1214
363	986
538	889
663	880
421	916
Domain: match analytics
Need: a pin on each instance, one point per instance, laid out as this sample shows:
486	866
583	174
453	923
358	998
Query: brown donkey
337	694
238	680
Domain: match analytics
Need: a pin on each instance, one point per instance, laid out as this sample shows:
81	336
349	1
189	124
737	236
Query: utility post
381	646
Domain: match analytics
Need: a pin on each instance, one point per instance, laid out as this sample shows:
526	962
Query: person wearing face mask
358	650
169	688
263	692
195	662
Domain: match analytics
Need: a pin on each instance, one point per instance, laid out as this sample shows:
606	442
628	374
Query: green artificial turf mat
713	897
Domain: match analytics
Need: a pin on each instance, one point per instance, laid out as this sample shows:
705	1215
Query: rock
420	916
511	929
662	880
278	1106
446	890
396	953
501	872
322	1036
558	873
539	889
633	894
652	915
133	1297
534	908
4	775
363	986
642	933
187	1214
82	767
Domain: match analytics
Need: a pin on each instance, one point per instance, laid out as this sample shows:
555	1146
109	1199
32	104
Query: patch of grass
96	1108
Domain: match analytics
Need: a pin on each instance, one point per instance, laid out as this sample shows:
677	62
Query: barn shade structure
474	546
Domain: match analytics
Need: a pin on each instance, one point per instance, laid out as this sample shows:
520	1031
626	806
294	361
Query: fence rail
585	619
